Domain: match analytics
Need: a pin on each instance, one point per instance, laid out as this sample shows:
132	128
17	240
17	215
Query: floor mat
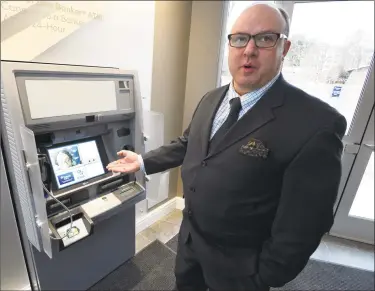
319	275
151	269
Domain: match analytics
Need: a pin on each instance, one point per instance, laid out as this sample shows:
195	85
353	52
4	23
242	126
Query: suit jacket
260	200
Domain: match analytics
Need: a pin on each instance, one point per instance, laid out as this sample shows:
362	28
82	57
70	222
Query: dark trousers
192	275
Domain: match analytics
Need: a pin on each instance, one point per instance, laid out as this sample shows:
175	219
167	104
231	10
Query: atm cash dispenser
61	126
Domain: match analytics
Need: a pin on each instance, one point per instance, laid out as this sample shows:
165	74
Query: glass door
355	212
333	59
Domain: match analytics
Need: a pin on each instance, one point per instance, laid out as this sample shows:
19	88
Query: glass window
330	56
363	205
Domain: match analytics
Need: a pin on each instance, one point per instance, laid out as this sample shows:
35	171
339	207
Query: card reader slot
128	191
112	184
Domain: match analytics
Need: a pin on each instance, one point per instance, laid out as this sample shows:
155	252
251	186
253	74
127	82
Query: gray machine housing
102	105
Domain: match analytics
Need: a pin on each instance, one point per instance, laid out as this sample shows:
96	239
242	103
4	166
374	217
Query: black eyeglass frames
262	40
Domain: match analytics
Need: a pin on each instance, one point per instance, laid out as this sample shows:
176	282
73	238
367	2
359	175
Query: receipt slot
61	126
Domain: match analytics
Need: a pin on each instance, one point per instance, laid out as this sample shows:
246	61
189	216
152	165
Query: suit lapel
212	107
259	115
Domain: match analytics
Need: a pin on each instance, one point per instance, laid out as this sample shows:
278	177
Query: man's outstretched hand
127	164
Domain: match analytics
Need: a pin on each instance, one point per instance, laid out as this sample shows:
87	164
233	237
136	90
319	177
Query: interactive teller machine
61	126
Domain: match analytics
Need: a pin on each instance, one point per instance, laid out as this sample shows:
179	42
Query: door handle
351	148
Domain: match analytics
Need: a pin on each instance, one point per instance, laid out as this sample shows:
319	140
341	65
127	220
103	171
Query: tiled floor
164	230
331	249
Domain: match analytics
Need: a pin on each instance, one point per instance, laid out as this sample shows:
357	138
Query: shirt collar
233	94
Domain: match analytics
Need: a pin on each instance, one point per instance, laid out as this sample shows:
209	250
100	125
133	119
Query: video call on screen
76	163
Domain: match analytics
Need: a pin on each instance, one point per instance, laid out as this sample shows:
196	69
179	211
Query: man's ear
287	45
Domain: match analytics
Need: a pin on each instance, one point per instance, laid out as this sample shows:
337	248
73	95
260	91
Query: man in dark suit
261	165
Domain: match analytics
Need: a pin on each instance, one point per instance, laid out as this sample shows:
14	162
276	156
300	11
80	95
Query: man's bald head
270	9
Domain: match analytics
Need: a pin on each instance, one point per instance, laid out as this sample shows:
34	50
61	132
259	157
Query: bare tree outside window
330	58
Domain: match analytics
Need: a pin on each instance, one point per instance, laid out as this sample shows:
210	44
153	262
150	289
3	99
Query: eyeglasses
262	40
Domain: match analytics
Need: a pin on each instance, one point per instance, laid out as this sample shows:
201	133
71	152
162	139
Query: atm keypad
125	193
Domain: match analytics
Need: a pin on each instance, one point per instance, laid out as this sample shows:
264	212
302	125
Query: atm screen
75	163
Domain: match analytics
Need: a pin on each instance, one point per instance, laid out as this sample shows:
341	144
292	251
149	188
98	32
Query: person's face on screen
63	160
255	62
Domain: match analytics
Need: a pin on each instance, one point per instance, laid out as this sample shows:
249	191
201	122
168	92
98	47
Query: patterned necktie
235	108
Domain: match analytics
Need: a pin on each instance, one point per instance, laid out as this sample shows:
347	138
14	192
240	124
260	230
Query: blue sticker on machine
66	178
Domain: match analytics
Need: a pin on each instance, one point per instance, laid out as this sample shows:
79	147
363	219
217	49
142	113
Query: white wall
204	60
123	38
171	50
122	34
